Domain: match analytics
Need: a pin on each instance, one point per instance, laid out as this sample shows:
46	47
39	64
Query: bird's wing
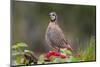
56	37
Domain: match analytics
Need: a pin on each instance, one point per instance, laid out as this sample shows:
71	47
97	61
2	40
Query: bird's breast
52	25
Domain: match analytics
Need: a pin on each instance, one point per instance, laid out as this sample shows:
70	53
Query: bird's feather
56	36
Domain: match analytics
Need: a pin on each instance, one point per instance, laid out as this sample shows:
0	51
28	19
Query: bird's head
53	16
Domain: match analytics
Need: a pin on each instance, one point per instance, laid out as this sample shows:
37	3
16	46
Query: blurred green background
30	20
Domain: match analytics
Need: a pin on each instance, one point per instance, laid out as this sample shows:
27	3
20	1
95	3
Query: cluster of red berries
56	54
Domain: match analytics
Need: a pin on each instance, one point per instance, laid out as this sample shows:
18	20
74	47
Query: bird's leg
55	49
58	49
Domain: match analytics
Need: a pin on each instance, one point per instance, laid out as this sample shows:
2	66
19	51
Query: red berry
57	54
48	55
78	55
52	52
62	56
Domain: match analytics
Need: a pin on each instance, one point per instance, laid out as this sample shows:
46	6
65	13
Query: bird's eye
53	15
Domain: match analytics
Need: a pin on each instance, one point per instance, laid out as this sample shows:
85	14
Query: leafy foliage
19	45
17	52
41	59
89	53
27	57
54	57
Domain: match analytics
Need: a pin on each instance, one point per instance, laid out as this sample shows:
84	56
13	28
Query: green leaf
14	46
67	60
41	59
62	50
28	51
68	52
18	45
72	59
52	59
18	59
65	51
55	60
17	53
21	44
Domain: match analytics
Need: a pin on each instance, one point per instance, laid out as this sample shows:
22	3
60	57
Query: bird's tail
68	46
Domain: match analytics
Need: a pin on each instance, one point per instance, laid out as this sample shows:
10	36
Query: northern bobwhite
54	36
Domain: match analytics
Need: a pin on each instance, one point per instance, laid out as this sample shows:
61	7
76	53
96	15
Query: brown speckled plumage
54	35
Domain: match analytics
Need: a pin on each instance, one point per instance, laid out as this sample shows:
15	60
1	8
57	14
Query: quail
54	36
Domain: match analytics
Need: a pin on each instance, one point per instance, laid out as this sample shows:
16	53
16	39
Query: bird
54	36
